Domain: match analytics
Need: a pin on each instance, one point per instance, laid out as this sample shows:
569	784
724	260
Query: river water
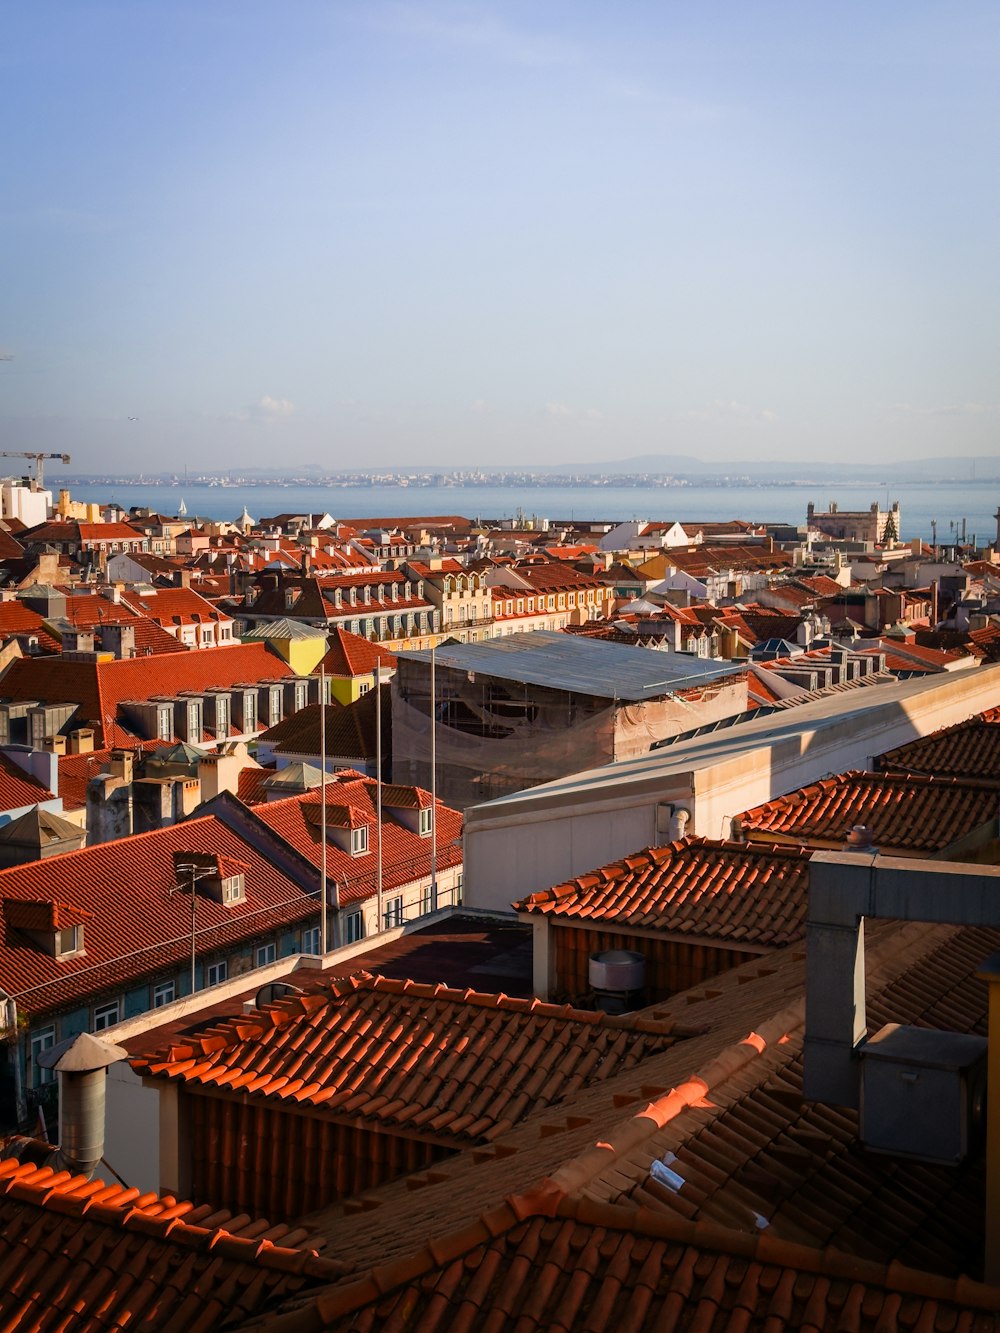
920	503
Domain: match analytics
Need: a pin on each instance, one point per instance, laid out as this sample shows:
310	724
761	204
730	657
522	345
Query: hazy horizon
365	234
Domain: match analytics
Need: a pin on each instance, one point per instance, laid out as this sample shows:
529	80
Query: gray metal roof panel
580	665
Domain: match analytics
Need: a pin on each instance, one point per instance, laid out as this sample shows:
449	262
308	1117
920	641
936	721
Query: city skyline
368	234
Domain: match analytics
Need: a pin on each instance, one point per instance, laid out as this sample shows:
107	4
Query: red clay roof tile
76	1252
406	856
722	890
969	749
351	655
450	1065
903	812
137	924
101	687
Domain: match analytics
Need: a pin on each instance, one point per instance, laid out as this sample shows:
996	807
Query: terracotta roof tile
455	1066
406	855
604	1268
969	750
903	812
351	655
90	610
752	1154
723	890
101	687
76	770
18	620
79	1253
250	785
18	788
175	606
136	922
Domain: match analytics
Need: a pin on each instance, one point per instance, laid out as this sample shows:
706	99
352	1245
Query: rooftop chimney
81	1063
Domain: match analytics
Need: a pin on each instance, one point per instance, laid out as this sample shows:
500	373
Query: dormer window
54	927
359	840
426	822
234	889
69	941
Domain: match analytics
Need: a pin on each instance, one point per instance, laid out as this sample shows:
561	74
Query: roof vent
81	1063
618	980
859	839
923	1093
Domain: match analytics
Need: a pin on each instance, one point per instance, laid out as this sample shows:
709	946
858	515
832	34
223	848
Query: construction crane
39	482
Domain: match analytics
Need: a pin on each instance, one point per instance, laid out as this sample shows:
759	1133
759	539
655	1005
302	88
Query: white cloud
722	410
583	416
272	408
946	410
5	355
265	409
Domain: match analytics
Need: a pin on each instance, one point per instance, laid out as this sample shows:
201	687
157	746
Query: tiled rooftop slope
85	1255
970	749
772	1185
730	891
905	813
458	1065
594	1267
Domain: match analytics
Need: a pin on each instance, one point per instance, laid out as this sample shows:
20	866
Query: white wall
29	506
527	842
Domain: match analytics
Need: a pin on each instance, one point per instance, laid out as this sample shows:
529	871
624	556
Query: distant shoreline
508	481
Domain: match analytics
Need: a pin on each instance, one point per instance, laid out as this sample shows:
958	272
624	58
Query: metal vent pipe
81	1063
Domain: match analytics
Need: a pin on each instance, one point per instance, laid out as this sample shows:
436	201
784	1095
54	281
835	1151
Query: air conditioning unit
923	1093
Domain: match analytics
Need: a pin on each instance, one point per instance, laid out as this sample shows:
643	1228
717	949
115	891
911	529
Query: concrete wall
531	840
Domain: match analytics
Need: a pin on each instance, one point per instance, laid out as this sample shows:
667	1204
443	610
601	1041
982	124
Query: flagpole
322	811
378	789
434	811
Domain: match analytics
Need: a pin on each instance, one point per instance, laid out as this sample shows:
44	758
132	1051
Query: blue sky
366	234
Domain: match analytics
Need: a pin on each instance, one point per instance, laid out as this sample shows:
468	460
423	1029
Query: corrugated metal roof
560	661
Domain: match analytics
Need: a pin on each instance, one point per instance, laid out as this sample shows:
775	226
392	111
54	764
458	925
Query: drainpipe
990	973
81	1063
678	823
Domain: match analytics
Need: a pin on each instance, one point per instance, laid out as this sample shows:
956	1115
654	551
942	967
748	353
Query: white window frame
234	890
311	940
426	826
164	992
107	1015
393	913
265	953
217	973
75	944
42	1040
354	927
359	841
